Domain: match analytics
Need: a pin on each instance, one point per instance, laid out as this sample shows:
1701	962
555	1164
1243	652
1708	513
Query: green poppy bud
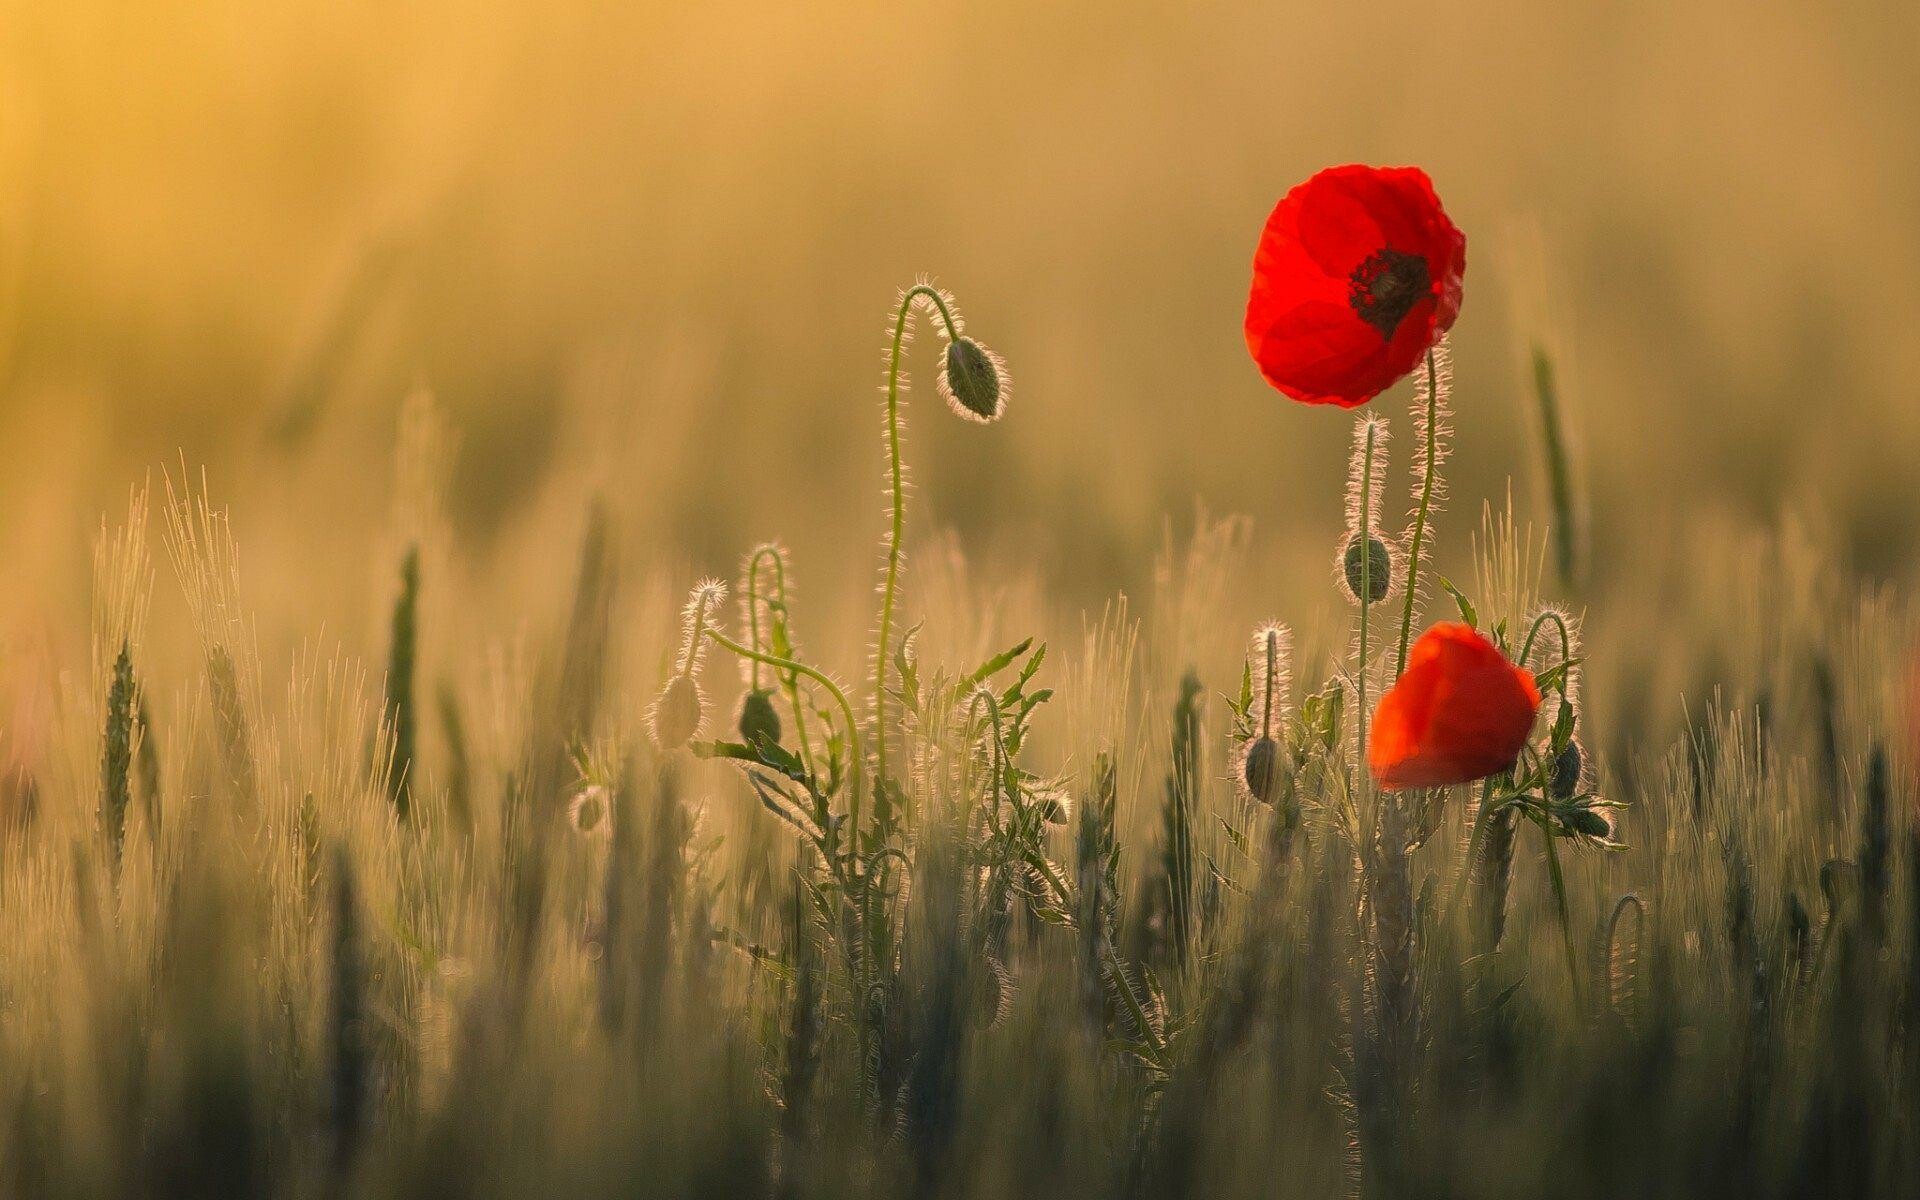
1590	821
759	720
591	811
678	712
1372	553
1563	782
974	381
1260	769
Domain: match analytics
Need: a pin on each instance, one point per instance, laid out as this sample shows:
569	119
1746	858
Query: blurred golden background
647	249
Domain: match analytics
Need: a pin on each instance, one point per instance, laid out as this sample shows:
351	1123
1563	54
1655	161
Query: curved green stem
789	685
897	497
839	698
753	599
980	696
1566	639
1418	541
690	653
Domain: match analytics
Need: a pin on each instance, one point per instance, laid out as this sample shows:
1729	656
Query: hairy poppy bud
974	381
1563	782
1260	769
590	811
678	712
1372	553
759	720
1590	821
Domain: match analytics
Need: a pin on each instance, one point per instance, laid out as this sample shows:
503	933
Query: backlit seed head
678	712
591	811
1260	769
759	720
1366	565
974	381
1563	782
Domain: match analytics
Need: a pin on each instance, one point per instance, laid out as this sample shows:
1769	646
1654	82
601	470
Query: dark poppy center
1385	288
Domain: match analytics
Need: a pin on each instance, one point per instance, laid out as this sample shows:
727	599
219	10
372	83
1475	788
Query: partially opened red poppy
1356	277
1460	712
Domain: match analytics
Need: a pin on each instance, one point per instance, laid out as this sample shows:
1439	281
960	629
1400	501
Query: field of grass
611	901
467	729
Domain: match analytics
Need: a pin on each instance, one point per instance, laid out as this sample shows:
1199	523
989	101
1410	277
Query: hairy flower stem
897	497
1366	604
1489	867
753	605
839	699
1395	988
1416	544
863	960
789	681
1272	648
690	653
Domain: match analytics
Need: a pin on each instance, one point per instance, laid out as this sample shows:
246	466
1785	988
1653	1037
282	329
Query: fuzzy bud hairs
1364	565
1270	655
678	713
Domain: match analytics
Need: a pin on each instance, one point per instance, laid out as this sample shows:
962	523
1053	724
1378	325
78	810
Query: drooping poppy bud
1569	766
681	708
1260	769
591	811
678	712
759	720
974	381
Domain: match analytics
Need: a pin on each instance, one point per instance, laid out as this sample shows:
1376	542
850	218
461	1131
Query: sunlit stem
753	603
789	683
1545	618
839	698
690	653
983	697
1266	699
897	496
1366	602
1420	514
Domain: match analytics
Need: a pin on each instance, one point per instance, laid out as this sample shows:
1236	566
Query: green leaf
991	667
1562	727
1465	605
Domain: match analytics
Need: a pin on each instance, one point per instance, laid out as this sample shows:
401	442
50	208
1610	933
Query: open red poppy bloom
1460	712
1357	275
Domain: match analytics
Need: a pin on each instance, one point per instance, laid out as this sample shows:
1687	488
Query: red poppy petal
1459	712
1318	354
1312	339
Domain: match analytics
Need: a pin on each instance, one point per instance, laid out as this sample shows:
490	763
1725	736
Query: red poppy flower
1357	275
1460	712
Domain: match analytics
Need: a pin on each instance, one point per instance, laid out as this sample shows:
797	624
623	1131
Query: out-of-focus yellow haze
649	247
